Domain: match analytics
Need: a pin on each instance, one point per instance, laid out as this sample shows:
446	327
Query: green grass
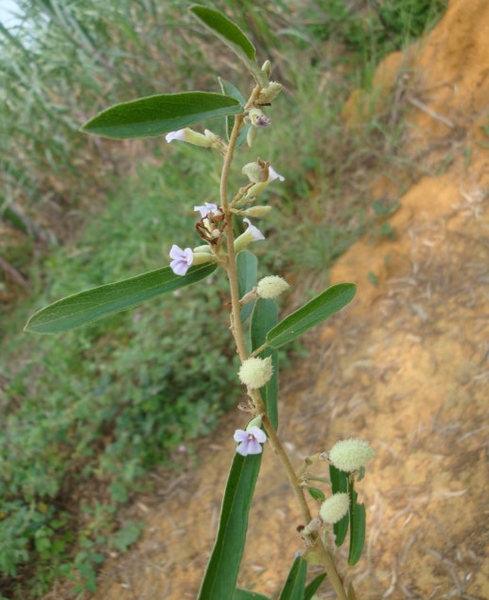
89	413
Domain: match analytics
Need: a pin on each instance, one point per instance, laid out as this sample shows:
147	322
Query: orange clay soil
405	367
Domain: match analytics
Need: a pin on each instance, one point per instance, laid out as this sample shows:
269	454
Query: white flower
206	209
256	234
192	137
334	508
350	455
272	175
175	135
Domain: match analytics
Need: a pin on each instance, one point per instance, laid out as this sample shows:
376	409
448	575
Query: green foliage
91	305
156	115
296	581
222	570
314	312
96	407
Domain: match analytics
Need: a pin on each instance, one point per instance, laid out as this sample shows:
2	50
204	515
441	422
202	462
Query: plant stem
237	331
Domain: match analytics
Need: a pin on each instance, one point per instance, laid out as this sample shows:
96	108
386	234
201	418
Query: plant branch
237	331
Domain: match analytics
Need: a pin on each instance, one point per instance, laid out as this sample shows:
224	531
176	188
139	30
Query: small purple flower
249	441
182	259
206	209
256	234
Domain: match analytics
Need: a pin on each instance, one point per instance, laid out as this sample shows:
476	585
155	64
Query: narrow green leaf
222	570
317	494
357	527
87	306
247	264
227	31
296	581
247	595
264	317
313	587
231	35
229	89
339	483
156	115
318	309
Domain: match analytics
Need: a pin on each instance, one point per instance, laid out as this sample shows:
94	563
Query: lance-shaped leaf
357	527
247	263
264	317
229	89
313	587
318	309
156	115
296	581
247	595
339	483
231	35
90	305
222	570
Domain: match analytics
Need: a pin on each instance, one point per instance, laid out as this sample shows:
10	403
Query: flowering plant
254	313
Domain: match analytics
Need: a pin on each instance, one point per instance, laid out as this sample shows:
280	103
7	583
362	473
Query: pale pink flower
249	441
182	259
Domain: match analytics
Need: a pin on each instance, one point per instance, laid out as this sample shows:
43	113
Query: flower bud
334	508
267	68
257	172
203	257
200	249
255	372
252	234
268	93
271	286
257	118
256	422
257	211
350	455
190	136
251	136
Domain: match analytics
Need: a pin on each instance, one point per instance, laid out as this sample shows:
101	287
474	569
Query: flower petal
240	435
206	209
176	252
188	256
254	447
258	434
175	135
272	175
256	234
179	267
243	449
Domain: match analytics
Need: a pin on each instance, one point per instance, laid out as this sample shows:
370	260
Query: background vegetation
88	414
